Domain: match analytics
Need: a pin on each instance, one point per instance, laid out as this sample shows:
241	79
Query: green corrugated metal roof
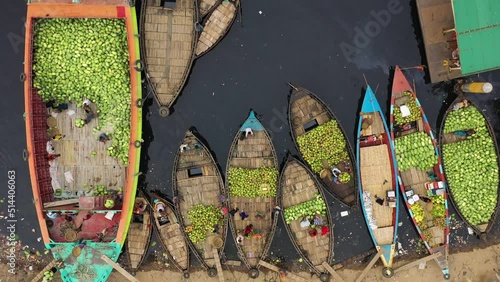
477	23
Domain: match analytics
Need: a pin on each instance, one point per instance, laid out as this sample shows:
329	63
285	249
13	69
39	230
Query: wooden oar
119	269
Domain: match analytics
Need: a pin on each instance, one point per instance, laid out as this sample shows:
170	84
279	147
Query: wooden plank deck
202	189
218	24
376	177
299	187
170	39
436	16
306	109
76	157
252	153
138	238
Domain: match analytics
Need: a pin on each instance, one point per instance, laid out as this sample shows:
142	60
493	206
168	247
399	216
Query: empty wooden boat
306	215
169	231
168	40
421	177
470	162
323	144
216	25
377	179
139	233
252	178
207	6
198	184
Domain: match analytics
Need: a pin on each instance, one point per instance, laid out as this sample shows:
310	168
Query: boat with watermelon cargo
470	163
421	178
168	40
377	179
169	230
216	25
139	234
201	194
80	83
252	180
323	144
307	218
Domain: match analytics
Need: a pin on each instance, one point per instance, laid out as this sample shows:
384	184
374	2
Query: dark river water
313	43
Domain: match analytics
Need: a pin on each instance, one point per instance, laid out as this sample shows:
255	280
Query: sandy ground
476	266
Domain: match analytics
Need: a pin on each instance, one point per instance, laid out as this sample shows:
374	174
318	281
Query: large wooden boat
139	234
169	230
310	231
80	219
198	184
422	182
216	25
251	179
377	179
314	125
168	40
470	163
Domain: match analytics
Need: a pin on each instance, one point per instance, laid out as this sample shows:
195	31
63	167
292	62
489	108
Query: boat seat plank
384	236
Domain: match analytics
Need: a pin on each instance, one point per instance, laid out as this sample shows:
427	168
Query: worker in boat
184	147
103	137
233	211
160	208
240	239
325	230
464	133
52	215
305	222
243	215
248	230
313	232
336	172
248	130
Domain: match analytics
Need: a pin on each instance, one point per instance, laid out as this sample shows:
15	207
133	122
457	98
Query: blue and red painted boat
422	182
377	179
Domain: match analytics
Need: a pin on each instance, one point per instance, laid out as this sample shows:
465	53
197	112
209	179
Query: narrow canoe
420	183
477	201
168	40
252	160
377	179
216	25
139	233
71	216
299	188
306	112
168	229
207	6
197	181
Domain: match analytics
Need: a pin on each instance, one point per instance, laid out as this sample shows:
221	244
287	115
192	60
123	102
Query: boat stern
82	261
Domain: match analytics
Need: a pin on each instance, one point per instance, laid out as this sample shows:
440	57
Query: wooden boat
168	40
198	181
433	226
306	112
377	179
486	165
298	186
139	232
207	6
216	25
71	216
169	230
252	154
